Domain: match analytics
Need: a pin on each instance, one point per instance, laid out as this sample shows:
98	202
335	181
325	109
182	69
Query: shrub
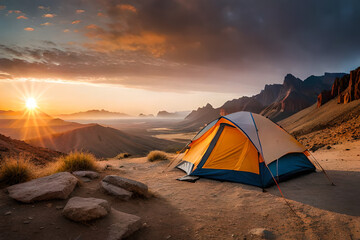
77	161
122	155
15	170
157	155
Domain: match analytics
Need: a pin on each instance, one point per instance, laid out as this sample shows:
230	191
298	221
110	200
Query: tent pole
322	169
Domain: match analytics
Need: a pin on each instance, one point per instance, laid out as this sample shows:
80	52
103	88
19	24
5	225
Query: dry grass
16	170
157	155
122	155
76	161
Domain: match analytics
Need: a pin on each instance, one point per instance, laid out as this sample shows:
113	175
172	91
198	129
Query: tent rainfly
247	148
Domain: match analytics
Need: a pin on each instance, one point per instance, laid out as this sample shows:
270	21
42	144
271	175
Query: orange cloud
100	14
66	30
46	24
49	15
2	7
127	7
75	30
44	8
10	11
17	12
21	17
76	22
29	29
92	26
145	41
80	11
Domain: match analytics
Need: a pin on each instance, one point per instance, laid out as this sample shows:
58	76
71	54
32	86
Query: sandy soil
211	209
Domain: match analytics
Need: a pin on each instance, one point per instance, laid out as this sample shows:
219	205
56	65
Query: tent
247	148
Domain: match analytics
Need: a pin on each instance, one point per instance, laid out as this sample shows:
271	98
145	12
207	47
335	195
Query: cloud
66	30
2	7
17	11
75	22
10	11
92	26
46	24
80	11
48	15
126	7
21	17
44	8
100	14
29	29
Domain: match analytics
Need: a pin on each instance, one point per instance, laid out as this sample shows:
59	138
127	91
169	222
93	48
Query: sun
31	104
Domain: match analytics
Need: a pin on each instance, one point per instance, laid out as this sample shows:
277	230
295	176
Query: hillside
11	147
332	123
102	142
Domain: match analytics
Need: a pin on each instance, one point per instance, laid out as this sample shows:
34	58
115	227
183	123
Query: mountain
146	115
24	125
102	142
345	89
275	101
93	114
12	148
165	114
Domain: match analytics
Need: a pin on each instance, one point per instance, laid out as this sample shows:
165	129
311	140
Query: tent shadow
315	190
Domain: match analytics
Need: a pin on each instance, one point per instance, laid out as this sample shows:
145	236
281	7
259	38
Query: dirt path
210	209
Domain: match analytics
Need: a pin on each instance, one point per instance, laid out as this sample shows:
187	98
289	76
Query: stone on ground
56	186
81	209
116	191
87	174
127	184
124	225
261	233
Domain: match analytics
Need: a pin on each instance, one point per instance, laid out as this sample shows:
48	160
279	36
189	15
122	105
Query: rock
323	98
125	224
56	186
87	174
8	213
59	207
127	184
262	233
328	147
81	209
26	221
85	179
116	191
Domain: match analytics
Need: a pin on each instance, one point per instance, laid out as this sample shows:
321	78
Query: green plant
77	161
16	170
122	155
157	155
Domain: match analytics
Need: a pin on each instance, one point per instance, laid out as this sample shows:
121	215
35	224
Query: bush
16	170
77	161
157	155
123	155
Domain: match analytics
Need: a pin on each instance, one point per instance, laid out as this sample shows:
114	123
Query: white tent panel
275	141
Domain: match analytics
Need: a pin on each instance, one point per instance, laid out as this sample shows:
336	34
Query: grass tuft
77	161
122	155
16	170
157	155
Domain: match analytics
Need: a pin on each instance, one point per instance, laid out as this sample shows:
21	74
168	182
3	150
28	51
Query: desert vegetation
122	155
15	170
157	156
77	161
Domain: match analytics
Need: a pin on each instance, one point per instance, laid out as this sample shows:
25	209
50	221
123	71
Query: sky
151	55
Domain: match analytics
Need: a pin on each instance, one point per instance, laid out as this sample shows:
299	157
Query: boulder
125	224
81	209
116	191
87	174
56	186
323	98
262	233
127	184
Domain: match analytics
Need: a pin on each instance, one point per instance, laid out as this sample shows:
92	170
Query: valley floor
211	209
